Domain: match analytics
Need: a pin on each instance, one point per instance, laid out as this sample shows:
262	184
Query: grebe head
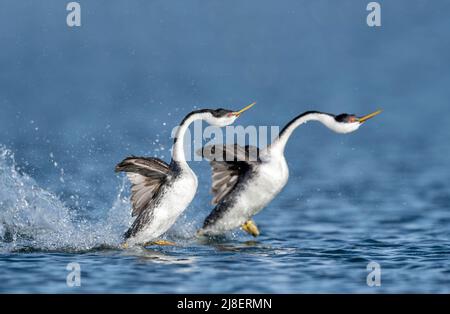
223	117
347	123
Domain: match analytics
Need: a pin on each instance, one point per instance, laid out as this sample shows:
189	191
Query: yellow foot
200	233
124	245
160	242
250	227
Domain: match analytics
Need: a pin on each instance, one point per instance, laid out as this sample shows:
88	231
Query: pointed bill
369	116
238	113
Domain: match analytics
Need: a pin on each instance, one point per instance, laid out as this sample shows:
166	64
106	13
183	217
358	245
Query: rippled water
317	236
381	194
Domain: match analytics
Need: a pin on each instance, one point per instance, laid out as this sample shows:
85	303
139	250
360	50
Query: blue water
74	102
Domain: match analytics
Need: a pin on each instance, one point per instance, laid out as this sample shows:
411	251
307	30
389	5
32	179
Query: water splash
32	218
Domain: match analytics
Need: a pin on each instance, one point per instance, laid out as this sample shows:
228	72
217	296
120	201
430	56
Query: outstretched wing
229	163
147	175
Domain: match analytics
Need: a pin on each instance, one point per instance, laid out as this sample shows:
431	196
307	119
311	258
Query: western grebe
160	192
246	179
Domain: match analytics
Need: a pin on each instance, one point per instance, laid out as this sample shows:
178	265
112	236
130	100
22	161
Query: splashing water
32	218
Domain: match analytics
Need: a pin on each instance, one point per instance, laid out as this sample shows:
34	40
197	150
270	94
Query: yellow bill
369	116
237	113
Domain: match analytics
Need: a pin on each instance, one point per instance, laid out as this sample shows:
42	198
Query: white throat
178	146
326	119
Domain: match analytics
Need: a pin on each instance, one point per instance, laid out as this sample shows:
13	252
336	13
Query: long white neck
279	143
178	143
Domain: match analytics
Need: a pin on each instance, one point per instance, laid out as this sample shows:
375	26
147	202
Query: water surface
74	102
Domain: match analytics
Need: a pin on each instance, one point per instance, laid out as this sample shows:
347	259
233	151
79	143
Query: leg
250	227
160	242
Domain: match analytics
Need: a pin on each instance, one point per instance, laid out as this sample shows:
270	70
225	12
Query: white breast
175	200
262	188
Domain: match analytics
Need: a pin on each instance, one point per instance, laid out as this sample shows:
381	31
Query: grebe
246	179
160	192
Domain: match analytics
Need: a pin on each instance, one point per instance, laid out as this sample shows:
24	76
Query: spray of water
32	218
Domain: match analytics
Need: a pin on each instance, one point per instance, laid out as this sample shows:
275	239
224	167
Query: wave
32	218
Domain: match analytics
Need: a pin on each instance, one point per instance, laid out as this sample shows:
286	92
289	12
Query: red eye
230	114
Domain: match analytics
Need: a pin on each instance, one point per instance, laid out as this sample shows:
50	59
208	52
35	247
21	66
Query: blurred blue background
75	101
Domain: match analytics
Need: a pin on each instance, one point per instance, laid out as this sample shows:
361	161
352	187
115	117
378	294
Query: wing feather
146	175
228	164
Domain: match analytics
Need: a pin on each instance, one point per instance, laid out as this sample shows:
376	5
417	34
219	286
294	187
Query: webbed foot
160	242
250	227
